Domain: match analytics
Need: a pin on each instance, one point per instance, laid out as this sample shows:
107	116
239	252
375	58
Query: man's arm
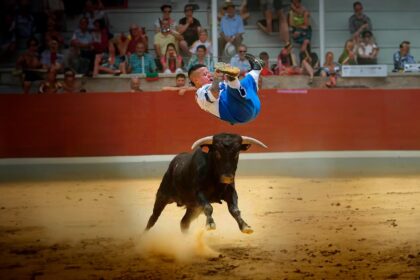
214	88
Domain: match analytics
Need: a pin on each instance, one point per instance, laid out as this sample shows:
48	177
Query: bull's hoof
247	229
211	226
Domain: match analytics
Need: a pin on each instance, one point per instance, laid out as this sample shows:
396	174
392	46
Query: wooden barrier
109	124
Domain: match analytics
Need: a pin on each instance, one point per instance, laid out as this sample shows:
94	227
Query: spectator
403	57
359	22
231	27
166	15
286	62
243	10
202	40
135	84
266	71
52	32
189	27
56	8
330	69
367	49
240	61
300	25
7	35
51	58
122	42
137	35
70	83
348	56
50	85
100	37
25	22
82	42
94	10
141	62
110	62
171	62
165	37
29	63
267	25
201	57
309	62
180	85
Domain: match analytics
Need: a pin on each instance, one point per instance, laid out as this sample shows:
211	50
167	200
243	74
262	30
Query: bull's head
224	152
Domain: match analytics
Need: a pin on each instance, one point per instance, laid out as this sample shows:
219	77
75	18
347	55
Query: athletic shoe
229	70
256	63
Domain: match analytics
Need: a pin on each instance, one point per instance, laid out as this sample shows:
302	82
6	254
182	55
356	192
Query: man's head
199	75
32	44
53	45
140	49
83	24
135	84
229	7
135	30
264	56
203	36
297	3
201	51
188	10
242	52
165	26
358	8
405	47
69	75
180	80
166	11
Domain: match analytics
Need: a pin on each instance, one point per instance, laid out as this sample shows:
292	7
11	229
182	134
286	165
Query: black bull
197	179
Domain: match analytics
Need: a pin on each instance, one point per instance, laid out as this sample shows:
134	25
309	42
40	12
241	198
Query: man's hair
180	75
201	47
357	3
165	6
263	54
404	43
194	68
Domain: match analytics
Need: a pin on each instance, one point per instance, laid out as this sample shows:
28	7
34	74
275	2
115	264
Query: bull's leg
190	215
231	197
160	203
208	211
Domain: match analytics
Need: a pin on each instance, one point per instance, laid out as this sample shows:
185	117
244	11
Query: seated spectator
135	85
330	69
268	6
266	71
29	63
348	56
202	40
231	28
137	35
300	25
94	10
403	57
70	84
189	27
50	85
122	41
240	61
100	37
171	62
51	58
166	16
309	62
53	33
180	85
243	10
7	35
201	57
25	22
141	62
110	62
367	49
165	37
82	43
359	22
286	62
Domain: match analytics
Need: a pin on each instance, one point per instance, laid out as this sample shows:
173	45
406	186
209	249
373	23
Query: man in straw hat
232	100
232	28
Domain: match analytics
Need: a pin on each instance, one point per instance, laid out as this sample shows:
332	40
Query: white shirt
207	101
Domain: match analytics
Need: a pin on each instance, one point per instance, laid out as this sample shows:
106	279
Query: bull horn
250	140
203	141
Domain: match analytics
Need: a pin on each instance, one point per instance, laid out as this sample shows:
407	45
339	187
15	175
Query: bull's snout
227	179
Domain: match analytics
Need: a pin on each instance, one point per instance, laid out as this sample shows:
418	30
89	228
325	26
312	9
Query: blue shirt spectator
240	61
231	26
141	62
403	56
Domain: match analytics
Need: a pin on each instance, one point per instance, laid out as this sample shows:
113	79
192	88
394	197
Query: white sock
234	84
255	74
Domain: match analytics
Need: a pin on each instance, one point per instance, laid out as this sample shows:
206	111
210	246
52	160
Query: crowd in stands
178	44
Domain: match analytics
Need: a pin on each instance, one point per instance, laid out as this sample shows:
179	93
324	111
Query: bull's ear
245	147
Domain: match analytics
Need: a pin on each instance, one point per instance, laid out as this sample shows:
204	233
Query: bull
195	180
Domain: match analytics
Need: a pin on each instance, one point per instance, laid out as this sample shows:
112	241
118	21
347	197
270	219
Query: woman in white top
367	50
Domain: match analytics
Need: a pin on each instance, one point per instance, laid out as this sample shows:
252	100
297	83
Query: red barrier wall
110	124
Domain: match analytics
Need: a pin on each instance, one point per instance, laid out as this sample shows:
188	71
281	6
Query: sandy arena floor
356	228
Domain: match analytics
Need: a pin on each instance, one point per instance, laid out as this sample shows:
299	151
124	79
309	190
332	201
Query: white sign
411	67
364	70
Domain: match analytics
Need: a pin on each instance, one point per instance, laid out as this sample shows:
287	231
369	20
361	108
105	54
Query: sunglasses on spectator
242	51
